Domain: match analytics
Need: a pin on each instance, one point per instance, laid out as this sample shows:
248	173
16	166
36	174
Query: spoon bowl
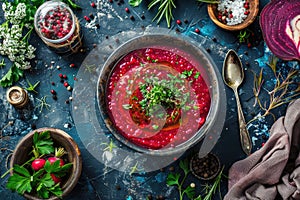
233	76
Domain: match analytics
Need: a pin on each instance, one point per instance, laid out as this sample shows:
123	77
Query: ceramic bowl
60	139
191	51
213	14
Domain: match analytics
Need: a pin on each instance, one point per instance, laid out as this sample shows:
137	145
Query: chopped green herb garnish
127	106
197	75
155	127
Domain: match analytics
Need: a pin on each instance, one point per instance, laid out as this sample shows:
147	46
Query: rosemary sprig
165	9
281	93
209	1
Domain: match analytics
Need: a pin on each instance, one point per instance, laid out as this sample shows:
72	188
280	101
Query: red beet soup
157	98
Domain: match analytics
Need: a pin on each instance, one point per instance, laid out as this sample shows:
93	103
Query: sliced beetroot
280	24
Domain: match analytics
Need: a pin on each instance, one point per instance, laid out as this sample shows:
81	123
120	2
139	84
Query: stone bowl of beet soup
160	94
23	154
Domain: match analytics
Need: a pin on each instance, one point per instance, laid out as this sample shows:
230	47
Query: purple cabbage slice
280	24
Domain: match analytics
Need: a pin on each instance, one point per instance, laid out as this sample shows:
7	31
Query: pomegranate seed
72	65
52	91
66	84
231	16
127	10
93	4
178	22
246	6
60	75
246	12
52	83
65	76
249	45
197	30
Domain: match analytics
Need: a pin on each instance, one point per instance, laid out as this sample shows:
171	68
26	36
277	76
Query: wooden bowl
60	139
213	14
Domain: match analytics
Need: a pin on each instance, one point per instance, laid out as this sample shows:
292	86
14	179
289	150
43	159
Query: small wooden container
213	14
17	97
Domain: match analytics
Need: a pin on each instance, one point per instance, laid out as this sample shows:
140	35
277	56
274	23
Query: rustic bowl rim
212	73
71	182
249	20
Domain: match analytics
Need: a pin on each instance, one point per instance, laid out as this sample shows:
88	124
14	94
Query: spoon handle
244	135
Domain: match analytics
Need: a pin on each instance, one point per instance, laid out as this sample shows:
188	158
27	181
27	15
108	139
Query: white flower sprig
13	43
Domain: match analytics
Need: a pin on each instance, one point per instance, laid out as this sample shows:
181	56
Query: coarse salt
237	9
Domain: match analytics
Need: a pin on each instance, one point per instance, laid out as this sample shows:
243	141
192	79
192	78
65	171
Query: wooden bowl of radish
46	164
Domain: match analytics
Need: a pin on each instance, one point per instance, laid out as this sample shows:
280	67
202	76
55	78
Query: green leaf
19	183
134	3
43	142
56	190
46	181
173	179
190	192
21	170
184	165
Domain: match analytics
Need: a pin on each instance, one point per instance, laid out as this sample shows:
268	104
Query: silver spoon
233	76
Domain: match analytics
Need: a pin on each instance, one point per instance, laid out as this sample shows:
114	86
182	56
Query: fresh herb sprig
174	179
284	91
165	8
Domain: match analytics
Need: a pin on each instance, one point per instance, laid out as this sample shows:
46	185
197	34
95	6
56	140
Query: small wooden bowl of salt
233	15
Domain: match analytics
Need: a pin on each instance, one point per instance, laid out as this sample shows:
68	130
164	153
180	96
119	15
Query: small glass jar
17	97
58	27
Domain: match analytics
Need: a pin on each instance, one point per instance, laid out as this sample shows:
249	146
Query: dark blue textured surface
97	181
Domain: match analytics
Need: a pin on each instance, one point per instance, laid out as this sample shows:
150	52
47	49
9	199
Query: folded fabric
273	172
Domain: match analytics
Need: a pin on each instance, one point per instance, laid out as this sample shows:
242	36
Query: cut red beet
280	24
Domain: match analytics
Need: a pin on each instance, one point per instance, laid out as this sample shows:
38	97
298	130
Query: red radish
58	154
38	164
55	178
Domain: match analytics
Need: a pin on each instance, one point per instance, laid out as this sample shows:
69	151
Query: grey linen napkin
273	172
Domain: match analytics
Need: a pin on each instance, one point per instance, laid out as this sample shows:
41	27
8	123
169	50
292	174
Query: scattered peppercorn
93	4
208	50
54	97
127	10
52	91
143	16
69	88
118	187
97	26
67	101
186	21
178	22
131	17
214	39
149	197
91	15
66	84
52	83
197	30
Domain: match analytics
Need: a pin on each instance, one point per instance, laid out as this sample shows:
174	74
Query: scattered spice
233	12
93	5
127	10
197	30
178	22
205	168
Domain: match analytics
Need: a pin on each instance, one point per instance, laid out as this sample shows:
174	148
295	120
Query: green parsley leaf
190	192
184	165
20	181
173	179
134	3
42	143
12	76
155	127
